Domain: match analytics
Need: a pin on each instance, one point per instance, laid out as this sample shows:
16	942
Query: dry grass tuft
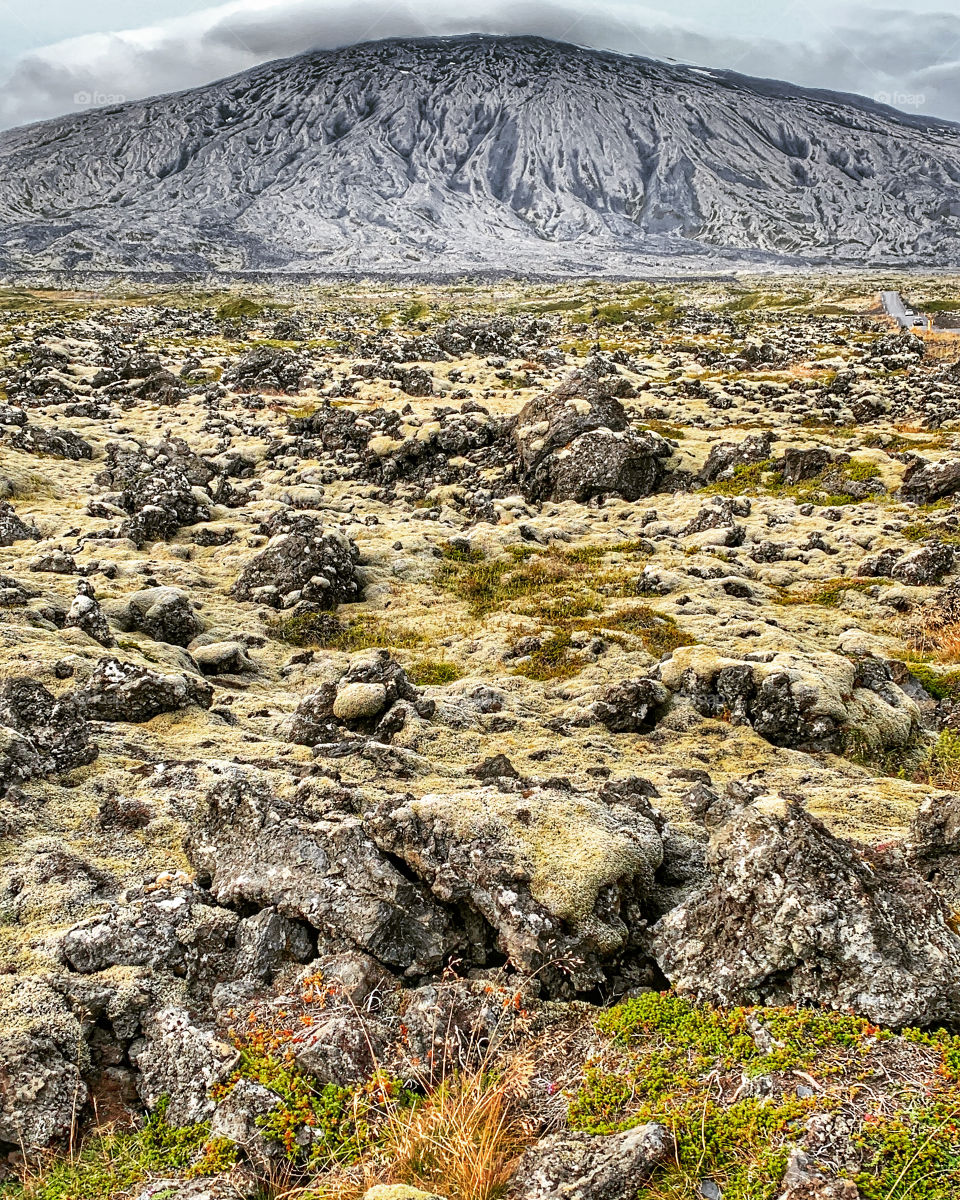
462	1140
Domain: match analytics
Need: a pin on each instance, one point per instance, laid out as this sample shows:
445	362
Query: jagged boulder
119	691
925	565
725	457
267	369
40	734
924	483
583	1166
43	1055
813	702
374	697
173	928
794	915
551	871
179	1061
87	615
320	867
575	442
933	846
161	487
12	528
634	706
301	562
164	614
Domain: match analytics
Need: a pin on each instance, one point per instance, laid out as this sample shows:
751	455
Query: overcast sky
57	56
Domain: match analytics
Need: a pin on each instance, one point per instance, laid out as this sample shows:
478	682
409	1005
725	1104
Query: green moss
612	314
825	490
926	531
430	672
913	1154
830	592
556	659
109	1164
239	306
685	1065
555	577
414	310
659	633
942	767
453	553
941	685
671	432
323	631
895	762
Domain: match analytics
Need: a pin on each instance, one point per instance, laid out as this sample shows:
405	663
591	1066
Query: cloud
912	61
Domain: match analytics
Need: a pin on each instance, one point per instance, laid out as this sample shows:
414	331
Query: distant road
894	306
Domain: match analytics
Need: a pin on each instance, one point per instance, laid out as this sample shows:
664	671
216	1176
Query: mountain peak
479	152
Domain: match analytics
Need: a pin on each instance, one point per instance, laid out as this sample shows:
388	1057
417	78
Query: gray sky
58	56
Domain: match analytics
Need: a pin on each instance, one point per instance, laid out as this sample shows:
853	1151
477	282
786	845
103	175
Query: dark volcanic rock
582	1166
302	561
164	614
575	442
925	484
319	867
40	734
794	915
119	691
12	529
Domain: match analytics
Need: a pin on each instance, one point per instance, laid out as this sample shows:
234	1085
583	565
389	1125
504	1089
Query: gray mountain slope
478	152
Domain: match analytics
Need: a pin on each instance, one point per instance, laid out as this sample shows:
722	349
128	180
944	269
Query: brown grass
462	1141
933	637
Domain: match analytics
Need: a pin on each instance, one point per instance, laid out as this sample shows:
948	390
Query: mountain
469	153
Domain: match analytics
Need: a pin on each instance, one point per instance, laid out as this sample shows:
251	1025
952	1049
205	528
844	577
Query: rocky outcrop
794	915
320	867
165	614
576	442
301	562
44	1056
813	702
120	691
554	873
161	487
374	697
925	483
40	734
13	528
580	1166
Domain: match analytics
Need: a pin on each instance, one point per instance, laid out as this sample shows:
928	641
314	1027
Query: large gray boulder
932	481
583	1166
39	733
164	614
320	867
551	871
794	915
179	1061
575	442
301	562
122	691
43	1055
